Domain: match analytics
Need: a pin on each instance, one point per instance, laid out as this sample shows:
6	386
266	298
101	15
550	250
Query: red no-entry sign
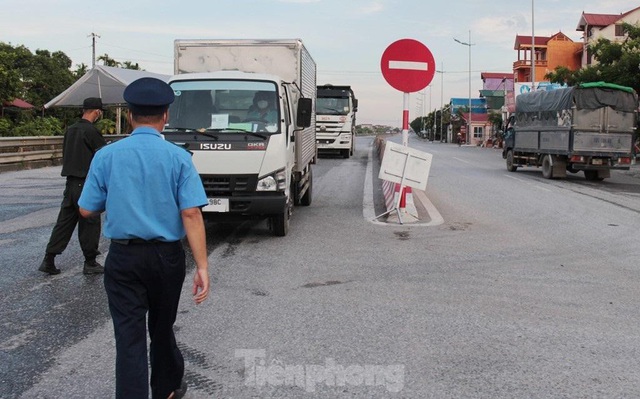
408	65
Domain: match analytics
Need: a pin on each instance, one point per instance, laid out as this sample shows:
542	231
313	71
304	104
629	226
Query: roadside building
607	26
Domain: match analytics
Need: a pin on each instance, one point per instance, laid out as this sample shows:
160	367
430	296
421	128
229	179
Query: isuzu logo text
250	146
215	146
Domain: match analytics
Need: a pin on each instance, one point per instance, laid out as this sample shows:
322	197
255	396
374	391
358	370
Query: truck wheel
345	153
306	198
280	224
510	166
547	168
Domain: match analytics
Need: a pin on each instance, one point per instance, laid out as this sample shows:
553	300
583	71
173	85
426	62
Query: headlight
274	182
267	184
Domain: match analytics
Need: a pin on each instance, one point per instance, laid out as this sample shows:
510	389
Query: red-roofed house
480	127
550	52
608	26
15	104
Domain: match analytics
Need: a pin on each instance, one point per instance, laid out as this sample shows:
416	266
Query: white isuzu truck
244	109
336	108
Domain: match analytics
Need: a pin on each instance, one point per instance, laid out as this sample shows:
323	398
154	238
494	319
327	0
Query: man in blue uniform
81	141
152	196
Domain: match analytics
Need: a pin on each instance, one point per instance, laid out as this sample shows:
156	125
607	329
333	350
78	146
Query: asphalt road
527	289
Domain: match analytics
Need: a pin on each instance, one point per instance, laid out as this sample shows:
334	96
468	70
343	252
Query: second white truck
244	109
336	108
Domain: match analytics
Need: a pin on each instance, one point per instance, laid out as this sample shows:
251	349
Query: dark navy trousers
140	279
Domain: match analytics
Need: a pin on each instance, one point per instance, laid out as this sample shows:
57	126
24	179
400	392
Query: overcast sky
346	38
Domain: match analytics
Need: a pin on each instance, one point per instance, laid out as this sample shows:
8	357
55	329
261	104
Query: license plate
217	205
596	161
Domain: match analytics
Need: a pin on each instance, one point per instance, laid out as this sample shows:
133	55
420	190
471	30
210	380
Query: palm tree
108	61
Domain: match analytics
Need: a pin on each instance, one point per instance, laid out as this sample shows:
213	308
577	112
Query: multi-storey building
607	26
549	52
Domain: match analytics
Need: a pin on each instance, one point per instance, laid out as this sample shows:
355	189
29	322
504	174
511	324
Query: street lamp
441	72
468	44
533	52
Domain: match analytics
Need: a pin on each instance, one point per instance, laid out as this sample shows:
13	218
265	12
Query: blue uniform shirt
142	182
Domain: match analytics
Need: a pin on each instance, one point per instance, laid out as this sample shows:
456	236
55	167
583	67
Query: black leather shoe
48	266
92	267
180	392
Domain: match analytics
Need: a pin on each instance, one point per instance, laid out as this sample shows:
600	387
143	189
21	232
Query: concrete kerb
418	210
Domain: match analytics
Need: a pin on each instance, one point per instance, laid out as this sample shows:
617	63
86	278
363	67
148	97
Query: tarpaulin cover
587	96
101	81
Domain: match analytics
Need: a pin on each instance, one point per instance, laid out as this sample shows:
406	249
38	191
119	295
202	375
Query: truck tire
510	166
345	153
280	224
547	167
306	198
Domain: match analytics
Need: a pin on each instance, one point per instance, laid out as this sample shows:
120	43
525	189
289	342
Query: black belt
139	241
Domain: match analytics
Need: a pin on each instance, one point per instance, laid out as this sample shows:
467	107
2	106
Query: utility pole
93	48
441	100
469	44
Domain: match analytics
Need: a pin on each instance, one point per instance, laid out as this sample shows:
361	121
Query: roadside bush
47	126
106	126
5	127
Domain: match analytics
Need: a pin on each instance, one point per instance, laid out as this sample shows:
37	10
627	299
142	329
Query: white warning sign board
406	166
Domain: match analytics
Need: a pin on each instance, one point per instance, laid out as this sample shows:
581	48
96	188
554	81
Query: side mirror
355	104
303	116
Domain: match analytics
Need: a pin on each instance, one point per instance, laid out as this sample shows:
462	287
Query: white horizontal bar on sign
413	65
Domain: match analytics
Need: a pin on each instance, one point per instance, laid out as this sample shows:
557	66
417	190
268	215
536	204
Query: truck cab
241	130
336	108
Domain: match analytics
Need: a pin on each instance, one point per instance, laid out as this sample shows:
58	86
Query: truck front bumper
252	205
342	141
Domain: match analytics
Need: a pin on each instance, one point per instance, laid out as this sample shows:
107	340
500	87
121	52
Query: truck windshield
224	106
332	106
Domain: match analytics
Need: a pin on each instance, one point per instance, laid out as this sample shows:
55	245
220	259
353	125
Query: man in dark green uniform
81	141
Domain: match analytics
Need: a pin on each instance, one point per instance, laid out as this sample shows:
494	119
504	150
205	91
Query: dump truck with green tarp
589	128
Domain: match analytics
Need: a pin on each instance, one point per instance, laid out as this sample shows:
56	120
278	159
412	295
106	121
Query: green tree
81	70
47	76
108	61
12	61
130	65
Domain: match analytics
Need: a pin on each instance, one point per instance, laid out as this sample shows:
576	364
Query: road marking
462	160
528	183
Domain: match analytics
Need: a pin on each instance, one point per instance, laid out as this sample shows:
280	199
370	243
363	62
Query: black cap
92	103
148	96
